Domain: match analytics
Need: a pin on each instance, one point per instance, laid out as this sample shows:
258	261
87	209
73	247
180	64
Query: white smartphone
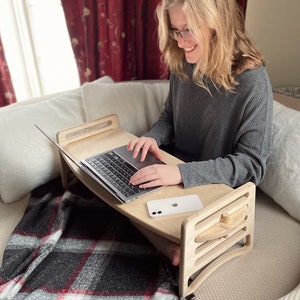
174	205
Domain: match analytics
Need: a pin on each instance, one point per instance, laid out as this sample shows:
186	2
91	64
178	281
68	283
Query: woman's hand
144	144
156	175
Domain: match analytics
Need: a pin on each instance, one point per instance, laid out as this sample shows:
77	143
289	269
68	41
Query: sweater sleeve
252	144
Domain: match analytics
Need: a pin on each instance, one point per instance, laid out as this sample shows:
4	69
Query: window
37	47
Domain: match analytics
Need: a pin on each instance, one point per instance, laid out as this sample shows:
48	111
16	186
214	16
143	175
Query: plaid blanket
71	245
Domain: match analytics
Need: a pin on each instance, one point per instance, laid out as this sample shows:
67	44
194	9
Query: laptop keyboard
116	170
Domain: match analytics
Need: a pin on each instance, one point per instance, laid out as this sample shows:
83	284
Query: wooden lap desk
206	237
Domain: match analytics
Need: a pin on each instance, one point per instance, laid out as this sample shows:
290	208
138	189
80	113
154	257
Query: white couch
270	271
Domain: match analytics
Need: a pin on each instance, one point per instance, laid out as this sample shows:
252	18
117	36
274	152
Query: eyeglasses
184	34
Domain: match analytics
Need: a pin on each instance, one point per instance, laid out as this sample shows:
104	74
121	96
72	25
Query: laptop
112	169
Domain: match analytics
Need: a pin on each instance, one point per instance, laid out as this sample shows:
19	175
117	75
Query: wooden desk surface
81	142
167	226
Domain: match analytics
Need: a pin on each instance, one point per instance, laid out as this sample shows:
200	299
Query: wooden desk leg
208	237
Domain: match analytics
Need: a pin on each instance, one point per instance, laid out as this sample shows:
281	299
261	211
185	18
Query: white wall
274	25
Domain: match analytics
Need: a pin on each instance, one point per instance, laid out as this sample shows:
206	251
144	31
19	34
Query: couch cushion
282	180
137	104
27	159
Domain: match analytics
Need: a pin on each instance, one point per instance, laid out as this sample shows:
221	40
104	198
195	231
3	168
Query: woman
218	115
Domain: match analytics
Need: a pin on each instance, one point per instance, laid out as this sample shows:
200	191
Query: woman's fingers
157	175
143	145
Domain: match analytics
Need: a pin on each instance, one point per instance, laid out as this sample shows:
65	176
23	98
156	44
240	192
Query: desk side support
211	237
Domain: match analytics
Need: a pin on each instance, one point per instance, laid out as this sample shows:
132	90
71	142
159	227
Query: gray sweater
223	138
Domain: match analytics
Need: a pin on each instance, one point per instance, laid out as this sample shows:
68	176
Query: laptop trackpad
149	160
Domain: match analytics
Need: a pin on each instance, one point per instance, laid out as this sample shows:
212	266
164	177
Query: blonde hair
226	53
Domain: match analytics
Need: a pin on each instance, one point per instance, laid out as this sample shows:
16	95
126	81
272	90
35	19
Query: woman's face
185	40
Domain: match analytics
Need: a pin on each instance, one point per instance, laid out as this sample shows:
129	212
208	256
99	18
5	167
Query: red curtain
116	38
7	94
